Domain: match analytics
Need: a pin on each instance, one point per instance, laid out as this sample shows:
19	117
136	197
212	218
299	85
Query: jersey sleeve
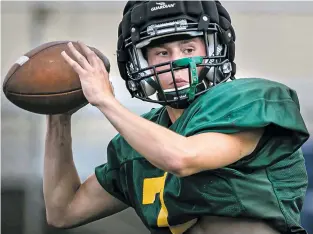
252	103
111	177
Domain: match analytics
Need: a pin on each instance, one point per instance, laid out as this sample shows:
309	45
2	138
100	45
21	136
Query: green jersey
269	184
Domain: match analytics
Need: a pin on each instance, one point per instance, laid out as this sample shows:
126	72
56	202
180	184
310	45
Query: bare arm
177	154
216	150
68	202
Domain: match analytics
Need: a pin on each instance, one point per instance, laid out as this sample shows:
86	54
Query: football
42	82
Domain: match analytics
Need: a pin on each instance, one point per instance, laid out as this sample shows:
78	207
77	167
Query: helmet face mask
144	81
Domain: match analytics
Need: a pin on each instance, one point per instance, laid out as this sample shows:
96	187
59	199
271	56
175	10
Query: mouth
179	82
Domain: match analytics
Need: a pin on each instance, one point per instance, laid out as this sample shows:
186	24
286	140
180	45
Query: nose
176	54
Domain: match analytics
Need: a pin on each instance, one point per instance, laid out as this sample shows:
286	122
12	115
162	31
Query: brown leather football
41	81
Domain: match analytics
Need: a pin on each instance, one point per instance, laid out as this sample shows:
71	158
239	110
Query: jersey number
152	186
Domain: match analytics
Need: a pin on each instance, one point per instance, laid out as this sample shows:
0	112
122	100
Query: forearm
61	180
162	147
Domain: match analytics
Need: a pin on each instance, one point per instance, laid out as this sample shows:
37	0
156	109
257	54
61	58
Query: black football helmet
146	22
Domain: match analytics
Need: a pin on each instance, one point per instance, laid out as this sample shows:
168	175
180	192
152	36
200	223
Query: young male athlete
221	155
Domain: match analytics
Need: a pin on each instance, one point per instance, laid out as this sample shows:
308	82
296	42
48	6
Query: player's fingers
112	88
79	57
101	64
79	70
91	55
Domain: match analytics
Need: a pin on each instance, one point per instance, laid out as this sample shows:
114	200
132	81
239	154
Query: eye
162	53
188	50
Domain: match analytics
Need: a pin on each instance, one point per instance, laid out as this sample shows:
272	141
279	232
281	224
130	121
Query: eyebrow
186	41
181	42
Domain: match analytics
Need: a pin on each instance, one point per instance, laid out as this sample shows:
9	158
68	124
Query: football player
220	155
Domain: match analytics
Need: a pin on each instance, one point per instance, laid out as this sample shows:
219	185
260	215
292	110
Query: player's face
173	51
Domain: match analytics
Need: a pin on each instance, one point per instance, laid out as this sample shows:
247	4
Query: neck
174	114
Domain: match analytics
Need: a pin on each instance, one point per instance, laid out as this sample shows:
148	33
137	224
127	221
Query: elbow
57	221
182	167
181	172
58	224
